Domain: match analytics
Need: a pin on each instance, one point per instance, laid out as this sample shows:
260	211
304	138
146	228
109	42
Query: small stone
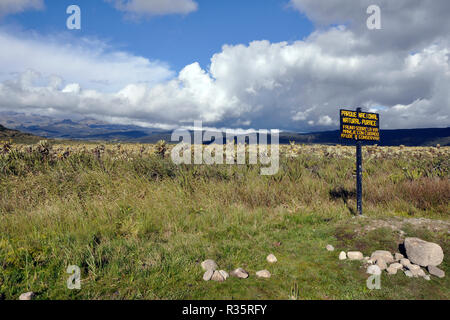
383	254
421	273
381	264
217	277
396	265
405	262
239	273
263	274
271	258
330	247
435	271
209	265
398	256
391	270
355	255
374	270
342	255
427	277
423	253
27	296
208	275
414	269
408	274
224	274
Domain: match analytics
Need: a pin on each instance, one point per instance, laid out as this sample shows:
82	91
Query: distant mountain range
25	127
17	136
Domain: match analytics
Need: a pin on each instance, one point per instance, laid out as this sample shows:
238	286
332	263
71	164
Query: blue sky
271	64
176	39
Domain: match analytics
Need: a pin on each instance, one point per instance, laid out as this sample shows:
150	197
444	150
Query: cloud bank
17	6
292	86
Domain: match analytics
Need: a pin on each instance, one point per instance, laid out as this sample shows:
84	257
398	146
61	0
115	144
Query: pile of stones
419	253
213	273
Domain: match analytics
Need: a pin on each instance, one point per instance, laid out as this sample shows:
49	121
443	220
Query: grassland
138	226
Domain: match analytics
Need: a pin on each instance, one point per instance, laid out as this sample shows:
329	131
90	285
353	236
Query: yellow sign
360	125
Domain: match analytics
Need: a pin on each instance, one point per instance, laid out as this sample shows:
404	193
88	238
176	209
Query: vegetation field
139	226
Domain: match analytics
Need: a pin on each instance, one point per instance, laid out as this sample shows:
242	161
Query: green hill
17	136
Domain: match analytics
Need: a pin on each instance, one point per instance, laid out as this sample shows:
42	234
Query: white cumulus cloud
292	86
16	6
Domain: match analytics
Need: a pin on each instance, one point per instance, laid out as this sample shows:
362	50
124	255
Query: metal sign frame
359	126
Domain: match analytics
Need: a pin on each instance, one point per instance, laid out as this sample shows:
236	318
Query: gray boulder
415	270
381	264
405	262
391	270
398	256
271	258
383	254
217	276
408	274
423	253
396	265
435	271
27	296
209	265
355	255
239	273
224	274
208	275
263	274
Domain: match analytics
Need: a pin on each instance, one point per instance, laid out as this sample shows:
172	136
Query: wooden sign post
359	126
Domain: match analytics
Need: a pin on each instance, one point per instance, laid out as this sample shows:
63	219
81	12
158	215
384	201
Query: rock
408	274
239	273
217	277
342	255
263	274
355	255
405	262
209	265
427	277
391	270
398	256
271	258
27	296
224	274
381	264
383	254
330	247
421	273
423	253
208	275
415	269
435	271
374	270
396	265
